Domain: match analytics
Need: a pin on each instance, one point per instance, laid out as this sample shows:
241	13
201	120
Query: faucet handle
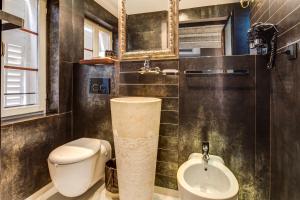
147	62
205	147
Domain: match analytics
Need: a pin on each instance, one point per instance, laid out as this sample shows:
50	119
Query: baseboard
44	193
49	190
166	191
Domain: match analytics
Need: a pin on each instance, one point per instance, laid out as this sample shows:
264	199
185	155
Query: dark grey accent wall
92	117
229	112
53	55
66	44
285	102
65	47
26	144
91	112
166	88
25	147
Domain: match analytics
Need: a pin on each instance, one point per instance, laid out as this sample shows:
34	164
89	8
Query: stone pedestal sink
135	123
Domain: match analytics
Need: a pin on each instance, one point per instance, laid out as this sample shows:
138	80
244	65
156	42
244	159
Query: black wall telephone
263	38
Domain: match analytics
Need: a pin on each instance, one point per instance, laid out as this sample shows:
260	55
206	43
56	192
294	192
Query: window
23	63
96	40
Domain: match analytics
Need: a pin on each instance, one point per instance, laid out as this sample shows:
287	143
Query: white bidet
198	180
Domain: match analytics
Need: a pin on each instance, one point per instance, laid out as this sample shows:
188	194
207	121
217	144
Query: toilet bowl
198	180
76	166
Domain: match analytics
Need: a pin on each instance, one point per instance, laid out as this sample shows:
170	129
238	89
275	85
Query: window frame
96	28
40	107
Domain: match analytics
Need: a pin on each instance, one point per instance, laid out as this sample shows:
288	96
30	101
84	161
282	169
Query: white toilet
76	166
198	180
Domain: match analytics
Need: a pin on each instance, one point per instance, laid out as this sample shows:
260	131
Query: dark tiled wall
91	112
65	47
167	88
66	44
25	147
227	111
92	117
231	112
285	98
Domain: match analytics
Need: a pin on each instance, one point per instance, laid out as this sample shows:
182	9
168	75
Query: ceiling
135	6
110	5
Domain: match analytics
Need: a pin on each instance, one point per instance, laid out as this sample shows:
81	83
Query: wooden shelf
97	61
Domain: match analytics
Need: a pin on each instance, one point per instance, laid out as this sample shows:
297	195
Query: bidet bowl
198	180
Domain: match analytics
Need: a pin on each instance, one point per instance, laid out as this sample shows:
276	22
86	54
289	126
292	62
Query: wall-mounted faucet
147	69
147	63
205	151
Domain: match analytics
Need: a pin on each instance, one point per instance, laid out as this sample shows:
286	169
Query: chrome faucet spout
205	151
147	64
147	69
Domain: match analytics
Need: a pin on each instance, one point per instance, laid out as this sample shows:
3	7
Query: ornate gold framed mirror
148	29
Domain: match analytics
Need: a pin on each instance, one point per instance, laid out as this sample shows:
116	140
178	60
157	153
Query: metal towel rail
239	72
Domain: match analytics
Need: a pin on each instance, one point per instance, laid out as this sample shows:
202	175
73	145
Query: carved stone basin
135	123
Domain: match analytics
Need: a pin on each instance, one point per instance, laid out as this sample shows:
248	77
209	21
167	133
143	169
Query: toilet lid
75	151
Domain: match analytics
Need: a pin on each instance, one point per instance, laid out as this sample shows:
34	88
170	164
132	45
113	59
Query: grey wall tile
149	90
136	78
171	117
25	147
167	169
166	181
7	169
167	142
222	110
284	108
167	155
169	130
171	104
93	110
65	86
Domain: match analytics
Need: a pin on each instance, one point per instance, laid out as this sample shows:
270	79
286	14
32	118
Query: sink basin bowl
136	123
198	180
135	117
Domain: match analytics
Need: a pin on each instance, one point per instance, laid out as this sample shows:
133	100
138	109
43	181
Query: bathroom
73	69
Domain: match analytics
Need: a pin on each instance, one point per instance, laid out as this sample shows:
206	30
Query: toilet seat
75	151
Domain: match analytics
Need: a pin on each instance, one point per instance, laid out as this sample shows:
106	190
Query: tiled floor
98	192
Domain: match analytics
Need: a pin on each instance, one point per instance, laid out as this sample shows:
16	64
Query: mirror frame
171	53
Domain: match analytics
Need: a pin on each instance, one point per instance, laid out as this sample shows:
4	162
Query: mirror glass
208	28
146	25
